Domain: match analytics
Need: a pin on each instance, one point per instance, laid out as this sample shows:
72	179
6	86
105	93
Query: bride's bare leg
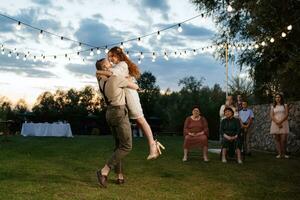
143	124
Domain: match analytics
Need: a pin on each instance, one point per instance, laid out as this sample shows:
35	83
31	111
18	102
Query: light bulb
9	54
139	41
195	52
79	47
142	55
153	56
175	54
92	52
41	34
272	40
139	61
179	28
17	57
24	58
166	56
263	44
2	52
153	60
122	45
283	34
127	54
256	46
2	47
18	27
158	36
34	59
290	27
229	8
98	51
106	50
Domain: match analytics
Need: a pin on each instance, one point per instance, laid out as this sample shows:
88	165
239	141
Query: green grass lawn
64	168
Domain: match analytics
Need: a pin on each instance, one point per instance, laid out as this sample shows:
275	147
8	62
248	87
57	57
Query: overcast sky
99	23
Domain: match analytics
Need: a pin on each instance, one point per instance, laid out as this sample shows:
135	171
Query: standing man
246	118
112	89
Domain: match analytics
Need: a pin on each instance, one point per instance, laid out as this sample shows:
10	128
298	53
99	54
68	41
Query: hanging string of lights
179	53
91	48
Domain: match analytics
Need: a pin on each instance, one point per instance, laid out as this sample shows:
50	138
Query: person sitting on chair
195	133
230	130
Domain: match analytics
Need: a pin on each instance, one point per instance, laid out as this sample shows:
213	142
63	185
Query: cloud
27	68
156	4
168	73
87	69
43	2
96	33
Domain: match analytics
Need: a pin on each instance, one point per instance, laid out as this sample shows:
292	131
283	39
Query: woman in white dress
280	125
122	66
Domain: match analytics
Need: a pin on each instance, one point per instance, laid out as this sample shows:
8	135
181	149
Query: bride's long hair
132	68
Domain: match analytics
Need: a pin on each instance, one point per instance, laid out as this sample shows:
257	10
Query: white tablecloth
46	129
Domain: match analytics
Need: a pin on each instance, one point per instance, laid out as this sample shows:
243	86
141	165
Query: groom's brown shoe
120	181
102	180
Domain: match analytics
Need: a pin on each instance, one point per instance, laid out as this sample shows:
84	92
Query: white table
46	129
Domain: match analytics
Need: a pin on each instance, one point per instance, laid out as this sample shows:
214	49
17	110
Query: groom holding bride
120	94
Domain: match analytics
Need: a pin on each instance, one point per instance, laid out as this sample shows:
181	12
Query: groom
112	89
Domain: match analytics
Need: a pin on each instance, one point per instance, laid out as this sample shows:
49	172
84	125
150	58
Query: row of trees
85	110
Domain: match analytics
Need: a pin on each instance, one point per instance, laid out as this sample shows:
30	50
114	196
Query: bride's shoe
155	155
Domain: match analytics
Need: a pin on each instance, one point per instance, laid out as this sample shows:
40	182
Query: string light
142	55
9	54
166	56
179	28
17	57
41	34
2	52
256	46
34	58
139	41
229	8
92	52
283	34
2	47
61	38
18	27
98	51
158	36
139	61
79	47
106	50
263	44
272	40
24	58
175	54
122	45
195	52
127	54
290	27
153	56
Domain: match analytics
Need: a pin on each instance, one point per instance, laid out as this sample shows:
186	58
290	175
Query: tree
149	94
5	108
21	107
258	21
240	86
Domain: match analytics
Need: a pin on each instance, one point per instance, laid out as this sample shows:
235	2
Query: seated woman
195	133
230	130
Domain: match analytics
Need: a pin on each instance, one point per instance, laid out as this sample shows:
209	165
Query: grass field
64	168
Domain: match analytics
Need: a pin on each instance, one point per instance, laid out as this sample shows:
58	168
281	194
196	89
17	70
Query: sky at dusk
99	23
